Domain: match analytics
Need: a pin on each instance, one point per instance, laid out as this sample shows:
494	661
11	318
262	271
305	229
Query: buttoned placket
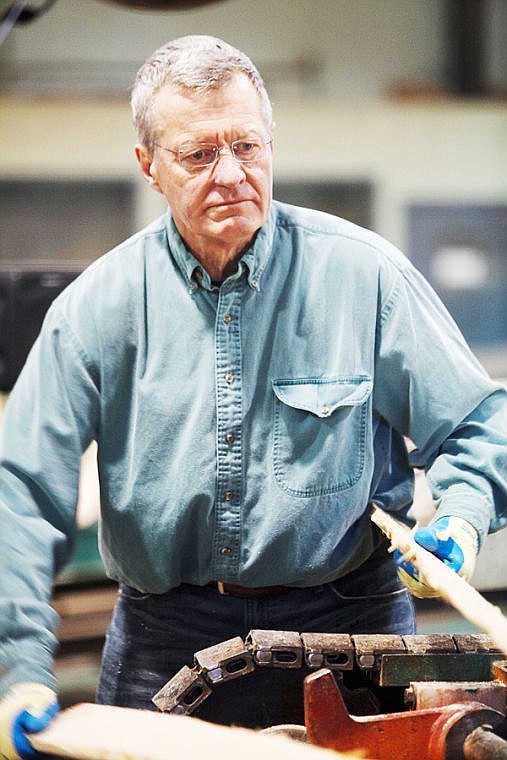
226	547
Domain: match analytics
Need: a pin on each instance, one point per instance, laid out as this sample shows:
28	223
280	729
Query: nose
227	171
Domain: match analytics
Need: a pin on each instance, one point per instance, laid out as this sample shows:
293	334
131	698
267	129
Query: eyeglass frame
217	152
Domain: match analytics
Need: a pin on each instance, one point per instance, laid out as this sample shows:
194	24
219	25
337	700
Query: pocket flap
322	396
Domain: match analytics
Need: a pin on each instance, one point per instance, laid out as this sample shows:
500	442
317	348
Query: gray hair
195	62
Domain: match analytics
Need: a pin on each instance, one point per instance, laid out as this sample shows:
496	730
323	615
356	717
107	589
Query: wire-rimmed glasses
196	156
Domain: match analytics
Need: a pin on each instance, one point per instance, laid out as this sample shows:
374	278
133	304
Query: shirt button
229	377
325	411
228	495
229	438
227	318
225	550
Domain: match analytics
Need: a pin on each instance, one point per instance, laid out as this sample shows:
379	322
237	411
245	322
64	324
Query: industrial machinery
434	697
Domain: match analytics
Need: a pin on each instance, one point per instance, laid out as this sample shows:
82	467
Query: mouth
231	203
236	206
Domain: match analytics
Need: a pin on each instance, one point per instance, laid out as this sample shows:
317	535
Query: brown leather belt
231	589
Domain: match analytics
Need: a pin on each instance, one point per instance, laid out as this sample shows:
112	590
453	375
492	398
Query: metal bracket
276	649
328	650
370	649
225	661
183	693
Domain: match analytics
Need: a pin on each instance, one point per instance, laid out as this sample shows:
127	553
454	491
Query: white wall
359	46
356	49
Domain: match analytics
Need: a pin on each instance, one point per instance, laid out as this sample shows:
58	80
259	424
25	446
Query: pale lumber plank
100	732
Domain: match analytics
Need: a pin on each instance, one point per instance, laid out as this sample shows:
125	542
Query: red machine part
433	734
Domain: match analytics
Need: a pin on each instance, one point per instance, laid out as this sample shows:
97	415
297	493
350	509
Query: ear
145	159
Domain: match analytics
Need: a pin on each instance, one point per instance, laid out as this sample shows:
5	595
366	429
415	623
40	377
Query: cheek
176	189
267	193
182	200
264	184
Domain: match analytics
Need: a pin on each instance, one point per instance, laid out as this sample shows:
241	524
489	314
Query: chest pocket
320	433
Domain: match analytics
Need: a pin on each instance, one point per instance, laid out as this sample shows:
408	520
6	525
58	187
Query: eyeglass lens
205	154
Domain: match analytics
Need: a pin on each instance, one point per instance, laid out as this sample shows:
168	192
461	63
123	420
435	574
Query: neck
219	265
220	261
217	256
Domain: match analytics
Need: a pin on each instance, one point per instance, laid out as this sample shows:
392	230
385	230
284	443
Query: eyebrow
237	134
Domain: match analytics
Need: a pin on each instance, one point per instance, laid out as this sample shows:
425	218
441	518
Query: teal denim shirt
242	429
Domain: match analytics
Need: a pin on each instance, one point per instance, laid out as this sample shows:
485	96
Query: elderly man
248	370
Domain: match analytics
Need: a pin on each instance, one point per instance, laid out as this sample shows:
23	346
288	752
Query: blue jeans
151	636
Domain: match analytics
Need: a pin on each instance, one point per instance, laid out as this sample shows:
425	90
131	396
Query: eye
247	150
198	155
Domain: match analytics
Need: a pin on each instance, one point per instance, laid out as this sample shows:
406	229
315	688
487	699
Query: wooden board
99	732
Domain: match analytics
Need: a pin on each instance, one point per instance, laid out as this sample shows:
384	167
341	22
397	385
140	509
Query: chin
235	226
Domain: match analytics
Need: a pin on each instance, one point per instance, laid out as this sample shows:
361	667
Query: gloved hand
26	708
451	539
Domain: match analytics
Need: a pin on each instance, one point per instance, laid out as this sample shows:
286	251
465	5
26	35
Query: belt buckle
221	589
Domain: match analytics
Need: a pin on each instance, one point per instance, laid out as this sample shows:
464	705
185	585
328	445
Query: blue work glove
453	540
25	709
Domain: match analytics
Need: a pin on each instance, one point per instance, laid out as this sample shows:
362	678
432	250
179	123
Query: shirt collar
253	261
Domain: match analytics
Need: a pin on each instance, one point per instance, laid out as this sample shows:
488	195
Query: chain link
236	658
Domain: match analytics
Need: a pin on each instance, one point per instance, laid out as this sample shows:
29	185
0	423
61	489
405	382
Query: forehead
231	109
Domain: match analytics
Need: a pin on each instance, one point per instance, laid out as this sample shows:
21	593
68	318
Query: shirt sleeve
48	422
431	388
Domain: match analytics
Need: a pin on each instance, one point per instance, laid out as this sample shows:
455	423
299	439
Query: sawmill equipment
434	697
